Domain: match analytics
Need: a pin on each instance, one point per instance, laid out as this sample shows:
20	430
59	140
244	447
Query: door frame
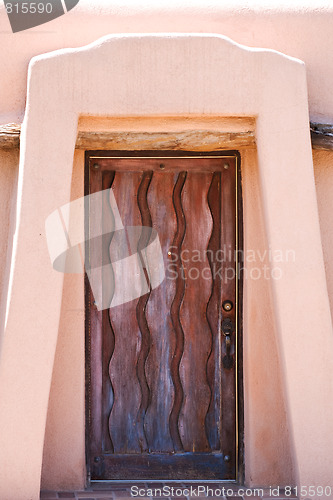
89	154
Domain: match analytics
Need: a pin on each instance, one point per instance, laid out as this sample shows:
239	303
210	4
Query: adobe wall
303	33
299	29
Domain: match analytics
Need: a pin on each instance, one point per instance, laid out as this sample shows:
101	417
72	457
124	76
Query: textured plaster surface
258	83
301	28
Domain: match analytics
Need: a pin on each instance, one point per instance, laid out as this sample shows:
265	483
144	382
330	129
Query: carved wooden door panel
162	367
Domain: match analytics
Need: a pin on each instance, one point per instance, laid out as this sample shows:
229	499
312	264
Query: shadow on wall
9	161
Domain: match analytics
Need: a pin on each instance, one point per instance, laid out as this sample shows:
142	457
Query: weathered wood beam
203	140
321	136
192	140
10	136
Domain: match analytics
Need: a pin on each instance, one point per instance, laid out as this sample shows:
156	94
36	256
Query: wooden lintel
193	140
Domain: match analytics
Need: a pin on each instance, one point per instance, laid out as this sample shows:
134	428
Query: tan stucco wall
301	28
64	447
299	32
268	456
323	163
9	160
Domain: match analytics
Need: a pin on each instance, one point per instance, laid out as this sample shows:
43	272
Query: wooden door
162	367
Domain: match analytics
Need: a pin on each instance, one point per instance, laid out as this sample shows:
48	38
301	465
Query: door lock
227	329
227	305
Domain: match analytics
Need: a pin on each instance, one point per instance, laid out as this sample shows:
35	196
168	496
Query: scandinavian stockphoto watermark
124	263
226	263
26	14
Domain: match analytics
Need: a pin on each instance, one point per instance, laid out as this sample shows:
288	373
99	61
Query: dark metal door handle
227	329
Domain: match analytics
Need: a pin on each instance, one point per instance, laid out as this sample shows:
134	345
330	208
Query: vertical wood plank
141	312
108	341
175	311
213	312
127	393
158	365
198	283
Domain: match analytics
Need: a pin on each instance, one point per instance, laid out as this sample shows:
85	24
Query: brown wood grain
141	313
202	140
108	341
213	312
123	365
10	135
158	364
178	466
177	268
196	140
198	283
